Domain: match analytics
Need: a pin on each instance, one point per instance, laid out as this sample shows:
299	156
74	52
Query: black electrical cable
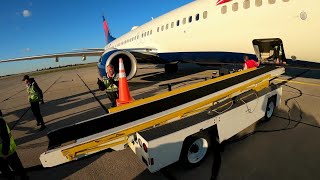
281	129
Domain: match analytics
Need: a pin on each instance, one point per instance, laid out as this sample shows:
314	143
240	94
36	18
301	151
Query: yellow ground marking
298	82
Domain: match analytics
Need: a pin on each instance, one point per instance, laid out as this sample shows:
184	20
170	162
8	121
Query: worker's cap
25	77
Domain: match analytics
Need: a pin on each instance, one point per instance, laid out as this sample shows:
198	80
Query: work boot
42	127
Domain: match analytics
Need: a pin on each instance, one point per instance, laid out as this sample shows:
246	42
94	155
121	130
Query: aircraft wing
83	54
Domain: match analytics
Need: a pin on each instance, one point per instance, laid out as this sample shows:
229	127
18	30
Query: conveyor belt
102	123
224	106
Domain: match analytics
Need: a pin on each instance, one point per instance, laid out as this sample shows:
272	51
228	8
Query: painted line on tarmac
17	92
102	106
17	121
298	82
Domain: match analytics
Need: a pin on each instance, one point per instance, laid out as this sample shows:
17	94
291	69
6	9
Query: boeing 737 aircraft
214	32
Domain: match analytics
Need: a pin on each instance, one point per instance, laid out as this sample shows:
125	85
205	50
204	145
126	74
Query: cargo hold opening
269	51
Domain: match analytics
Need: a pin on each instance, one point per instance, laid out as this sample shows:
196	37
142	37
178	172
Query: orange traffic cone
124	93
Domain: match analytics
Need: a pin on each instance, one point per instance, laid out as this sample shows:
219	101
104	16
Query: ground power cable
25	112
215	166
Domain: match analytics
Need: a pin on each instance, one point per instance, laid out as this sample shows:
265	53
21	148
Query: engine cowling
112	57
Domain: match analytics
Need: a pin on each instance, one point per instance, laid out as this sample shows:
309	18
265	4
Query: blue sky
36	27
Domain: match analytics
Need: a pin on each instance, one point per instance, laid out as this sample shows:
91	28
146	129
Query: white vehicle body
164	144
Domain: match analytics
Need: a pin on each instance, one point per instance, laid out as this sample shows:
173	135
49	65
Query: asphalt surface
72	96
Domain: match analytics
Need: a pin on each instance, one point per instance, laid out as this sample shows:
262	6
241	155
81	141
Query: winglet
109	38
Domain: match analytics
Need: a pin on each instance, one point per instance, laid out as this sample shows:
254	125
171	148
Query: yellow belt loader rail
112	130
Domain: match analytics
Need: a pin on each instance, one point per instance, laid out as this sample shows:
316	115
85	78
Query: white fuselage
295	22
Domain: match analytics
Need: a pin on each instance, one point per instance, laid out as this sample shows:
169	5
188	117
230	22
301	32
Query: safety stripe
122	73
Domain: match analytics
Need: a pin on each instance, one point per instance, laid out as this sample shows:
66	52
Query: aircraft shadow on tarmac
304	73
184	70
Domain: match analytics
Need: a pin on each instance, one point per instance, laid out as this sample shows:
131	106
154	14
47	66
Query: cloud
26	13
27	49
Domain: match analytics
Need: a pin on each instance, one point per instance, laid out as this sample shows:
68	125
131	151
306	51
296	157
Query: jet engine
112	57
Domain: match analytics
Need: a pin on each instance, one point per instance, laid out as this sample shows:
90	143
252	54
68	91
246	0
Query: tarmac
73	96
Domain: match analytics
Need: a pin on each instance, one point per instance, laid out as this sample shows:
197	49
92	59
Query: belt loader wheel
271	105
194	151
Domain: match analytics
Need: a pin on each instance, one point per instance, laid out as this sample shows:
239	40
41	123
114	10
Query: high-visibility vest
13	145
33	96
110	87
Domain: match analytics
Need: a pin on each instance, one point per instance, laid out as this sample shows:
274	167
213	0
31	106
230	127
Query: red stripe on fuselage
222	1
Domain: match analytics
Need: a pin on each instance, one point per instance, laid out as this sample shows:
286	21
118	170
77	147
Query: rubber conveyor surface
109	121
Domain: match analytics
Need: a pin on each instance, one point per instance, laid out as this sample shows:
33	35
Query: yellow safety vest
34	96
13	146
110	87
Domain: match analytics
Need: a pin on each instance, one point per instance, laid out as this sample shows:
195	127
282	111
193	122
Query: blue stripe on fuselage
205	57
194	57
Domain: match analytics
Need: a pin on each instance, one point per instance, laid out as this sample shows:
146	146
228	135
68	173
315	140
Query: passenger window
197	17
178	22
285	0
246	4
145	34
162	27
158	29
184	20
235	6
167	26
224	9
258	3
138	37
190	19
172	24
205	15
272	1
150	31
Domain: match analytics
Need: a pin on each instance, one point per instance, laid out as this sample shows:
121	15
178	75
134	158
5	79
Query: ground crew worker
110	84
249	63
35	96
8	155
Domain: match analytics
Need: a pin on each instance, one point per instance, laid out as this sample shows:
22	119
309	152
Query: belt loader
175	125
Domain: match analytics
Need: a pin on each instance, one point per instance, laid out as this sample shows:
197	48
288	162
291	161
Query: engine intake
112	57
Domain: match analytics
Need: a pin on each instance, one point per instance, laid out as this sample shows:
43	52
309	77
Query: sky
37	27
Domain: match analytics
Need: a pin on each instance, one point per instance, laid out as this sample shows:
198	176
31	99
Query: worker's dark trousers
14	163
113	96
36	112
